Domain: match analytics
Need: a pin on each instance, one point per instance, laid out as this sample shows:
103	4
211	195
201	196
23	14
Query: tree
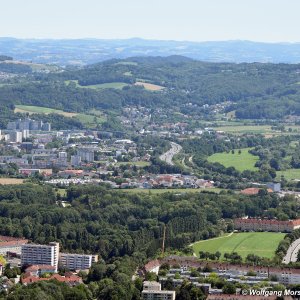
229	288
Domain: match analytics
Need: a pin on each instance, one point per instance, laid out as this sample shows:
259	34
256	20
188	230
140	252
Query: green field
262	244
87	119
238	128
109	85
134	163
241	162
177	191
31	109
289	174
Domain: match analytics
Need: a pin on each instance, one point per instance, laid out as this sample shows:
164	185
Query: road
291	255
168	156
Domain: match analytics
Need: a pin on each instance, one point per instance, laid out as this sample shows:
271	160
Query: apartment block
74	261
249	224
34	254
152	291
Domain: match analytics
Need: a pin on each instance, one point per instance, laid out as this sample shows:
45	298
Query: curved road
291	255
168	156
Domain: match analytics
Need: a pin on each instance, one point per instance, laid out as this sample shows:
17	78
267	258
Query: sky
188	20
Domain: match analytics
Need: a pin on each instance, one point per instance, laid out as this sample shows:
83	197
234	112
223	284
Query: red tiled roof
6	241
267	221
68	279
253	191
39	267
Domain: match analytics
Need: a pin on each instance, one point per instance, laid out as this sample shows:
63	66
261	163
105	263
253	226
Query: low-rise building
11	244
73	261
152	291
254	224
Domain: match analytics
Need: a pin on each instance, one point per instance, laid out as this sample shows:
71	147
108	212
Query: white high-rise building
74	261
34	254
16	136
86	154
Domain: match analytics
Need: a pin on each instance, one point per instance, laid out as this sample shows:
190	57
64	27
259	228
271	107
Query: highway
291	255
168	156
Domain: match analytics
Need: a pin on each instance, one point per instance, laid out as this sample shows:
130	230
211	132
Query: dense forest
124	229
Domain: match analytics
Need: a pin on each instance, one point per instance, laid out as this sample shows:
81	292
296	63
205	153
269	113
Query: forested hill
87	51
256	90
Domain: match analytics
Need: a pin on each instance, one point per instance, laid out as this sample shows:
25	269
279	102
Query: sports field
241	162
262	244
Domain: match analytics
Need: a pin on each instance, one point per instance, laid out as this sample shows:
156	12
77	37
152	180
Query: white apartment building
152	291
34	254
86	154
74	261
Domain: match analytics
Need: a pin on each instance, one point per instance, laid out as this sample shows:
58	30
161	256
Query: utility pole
163	241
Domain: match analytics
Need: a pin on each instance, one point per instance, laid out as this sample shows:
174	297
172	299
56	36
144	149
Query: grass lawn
262	244
243	161
289	174
177	191
109	85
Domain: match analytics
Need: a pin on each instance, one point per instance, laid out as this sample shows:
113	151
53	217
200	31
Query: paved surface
168	156
291	255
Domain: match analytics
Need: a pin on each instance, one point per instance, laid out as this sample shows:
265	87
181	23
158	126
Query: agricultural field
262	244
238	128
241	162
41	110
289	174
6	181
109	85
150	86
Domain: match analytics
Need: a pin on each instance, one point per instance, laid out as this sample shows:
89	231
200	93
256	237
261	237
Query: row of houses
285	276
256	224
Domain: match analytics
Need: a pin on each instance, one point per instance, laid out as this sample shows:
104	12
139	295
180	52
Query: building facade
152	291
74	261
247	224
34	254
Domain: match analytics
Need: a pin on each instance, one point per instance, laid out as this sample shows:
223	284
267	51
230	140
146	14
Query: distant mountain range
87	51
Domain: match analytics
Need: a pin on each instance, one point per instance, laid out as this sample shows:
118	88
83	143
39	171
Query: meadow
87	119
289	174
30	109
6	181
150	86
241	162
176	190
109	85
262	244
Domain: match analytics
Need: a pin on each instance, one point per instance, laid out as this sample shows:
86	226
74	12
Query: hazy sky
195	20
